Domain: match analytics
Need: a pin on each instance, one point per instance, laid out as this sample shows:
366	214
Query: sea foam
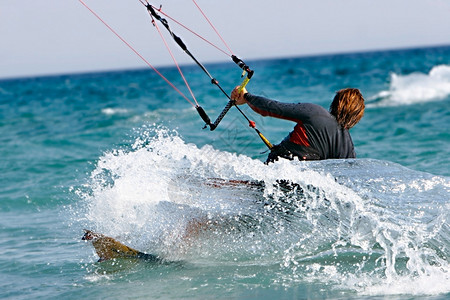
415	88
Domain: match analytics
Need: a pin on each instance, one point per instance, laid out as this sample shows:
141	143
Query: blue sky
55	37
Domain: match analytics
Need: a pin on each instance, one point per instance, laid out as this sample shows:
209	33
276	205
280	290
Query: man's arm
288	111
296	112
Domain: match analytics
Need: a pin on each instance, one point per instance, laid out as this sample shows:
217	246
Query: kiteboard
108	248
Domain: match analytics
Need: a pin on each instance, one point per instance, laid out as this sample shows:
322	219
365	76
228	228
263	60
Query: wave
366	225
415	88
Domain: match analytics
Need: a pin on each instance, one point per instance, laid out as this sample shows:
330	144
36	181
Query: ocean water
122	154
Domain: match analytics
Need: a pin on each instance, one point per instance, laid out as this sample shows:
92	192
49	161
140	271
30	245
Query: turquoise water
121	153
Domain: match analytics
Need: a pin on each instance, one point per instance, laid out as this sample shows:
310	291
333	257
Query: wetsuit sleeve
287	111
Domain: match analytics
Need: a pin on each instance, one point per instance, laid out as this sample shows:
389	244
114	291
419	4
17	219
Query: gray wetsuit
316	135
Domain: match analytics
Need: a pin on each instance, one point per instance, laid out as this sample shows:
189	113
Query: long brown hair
347	107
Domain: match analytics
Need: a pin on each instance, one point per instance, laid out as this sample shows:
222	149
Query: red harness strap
298	136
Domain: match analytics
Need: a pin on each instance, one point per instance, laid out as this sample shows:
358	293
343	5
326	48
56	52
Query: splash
415	88
365	225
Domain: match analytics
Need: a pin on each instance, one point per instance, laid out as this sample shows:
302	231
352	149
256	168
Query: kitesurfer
318	134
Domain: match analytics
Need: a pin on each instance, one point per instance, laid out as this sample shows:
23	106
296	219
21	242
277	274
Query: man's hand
239	96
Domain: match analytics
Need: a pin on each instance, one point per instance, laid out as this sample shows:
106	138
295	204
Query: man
318	134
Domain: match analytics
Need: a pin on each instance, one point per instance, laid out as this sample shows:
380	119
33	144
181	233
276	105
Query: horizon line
210	63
